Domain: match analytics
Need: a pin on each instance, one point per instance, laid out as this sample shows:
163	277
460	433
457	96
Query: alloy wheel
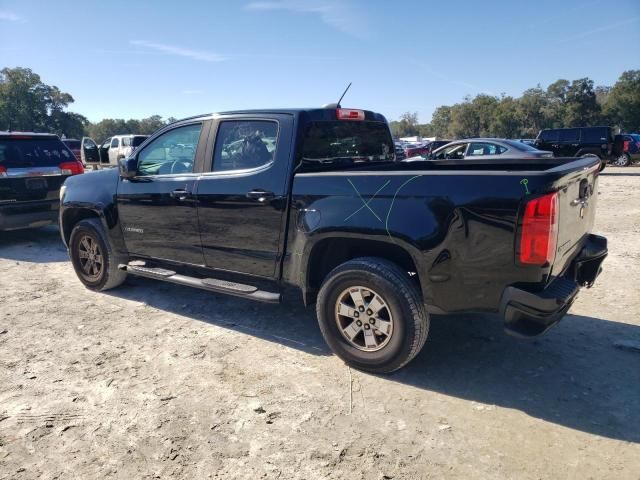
91	258
364	318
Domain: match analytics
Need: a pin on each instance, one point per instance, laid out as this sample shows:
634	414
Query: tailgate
577	198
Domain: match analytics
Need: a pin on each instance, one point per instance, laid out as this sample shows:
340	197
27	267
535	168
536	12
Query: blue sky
132	59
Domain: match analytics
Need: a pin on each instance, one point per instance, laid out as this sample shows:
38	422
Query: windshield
137	141
33	152
344	143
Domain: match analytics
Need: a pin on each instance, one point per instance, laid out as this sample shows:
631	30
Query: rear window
33	152
72	144
346	143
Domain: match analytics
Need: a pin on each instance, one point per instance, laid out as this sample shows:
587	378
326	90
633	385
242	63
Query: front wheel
371	315
623	160
94	261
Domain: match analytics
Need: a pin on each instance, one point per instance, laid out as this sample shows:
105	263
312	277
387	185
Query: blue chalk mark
365	204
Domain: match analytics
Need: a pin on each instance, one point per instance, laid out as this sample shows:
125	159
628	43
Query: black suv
33	166
580	141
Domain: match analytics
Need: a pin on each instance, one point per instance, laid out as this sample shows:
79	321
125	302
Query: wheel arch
327	253
70	218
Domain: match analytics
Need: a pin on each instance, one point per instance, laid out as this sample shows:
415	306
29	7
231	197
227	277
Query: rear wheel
93	259
623	160
371	315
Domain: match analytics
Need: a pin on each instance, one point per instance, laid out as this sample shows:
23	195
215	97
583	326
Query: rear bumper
16	216
528	314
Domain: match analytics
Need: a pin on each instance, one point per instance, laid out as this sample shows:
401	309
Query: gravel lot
155	381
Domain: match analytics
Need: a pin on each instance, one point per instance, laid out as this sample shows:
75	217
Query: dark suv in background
580	141
33	167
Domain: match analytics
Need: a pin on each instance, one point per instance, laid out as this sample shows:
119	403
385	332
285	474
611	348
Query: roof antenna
344	93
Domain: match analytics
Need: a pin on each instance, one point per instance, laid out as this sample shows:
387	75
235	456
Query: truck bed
459	220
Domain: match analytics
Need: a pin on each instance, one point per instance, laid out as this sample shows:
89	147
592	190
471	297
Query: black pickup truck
251	203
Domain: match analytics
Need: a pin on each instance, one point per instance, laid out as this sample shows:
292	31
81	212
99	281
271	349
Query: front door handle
260	195
180	195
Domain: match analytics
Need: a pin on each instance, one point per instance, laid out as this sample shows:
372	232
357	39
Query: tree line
564	103
28	104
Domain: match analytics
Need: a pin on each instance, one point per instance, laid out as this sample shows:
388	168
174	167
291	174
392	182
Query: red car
73	145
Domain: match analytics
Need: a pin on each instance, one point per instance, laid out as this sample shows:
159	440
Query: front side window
114	143
478	148
244	144
452	152
549	135
172	152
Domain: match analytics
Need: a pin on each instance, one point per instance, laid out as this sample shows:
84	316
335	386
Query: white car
111	151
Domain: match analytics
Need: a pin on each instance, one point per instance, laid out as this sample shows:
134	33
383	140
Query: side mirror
128	167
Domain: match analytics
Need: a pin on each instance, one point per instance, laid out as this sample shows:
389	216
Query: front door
157	207
89	152
242	201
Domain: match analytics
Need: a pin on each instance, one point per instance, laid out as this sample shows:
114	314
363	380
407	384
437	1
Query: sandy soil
156	381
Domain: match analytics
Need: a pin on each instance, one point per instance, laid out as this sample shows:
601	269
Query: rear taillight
349	114
71	168
3	171
539	234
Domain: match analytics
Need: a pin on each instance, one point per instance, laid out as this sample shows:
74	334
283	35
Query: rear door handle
179	194
260	195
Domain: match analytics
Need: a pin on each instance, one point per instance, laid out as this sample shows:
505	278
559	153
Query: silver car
485	149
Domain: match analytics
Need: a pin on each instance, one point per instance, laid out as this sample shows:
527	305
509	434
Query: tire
623	160
88	237
380	282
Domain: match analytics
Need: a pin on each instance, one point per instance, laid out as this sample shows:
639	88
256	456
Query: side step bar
211	284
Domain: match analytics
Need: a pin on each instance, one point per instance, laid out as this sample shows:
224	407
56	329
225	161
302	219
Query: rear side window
73	144
477	148
244	144
549	135
114	143
33	152
346	143
570	135
594	135
126	141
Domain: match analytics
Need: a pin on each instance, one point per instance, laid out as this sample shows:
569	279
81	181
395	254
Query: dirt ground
157	381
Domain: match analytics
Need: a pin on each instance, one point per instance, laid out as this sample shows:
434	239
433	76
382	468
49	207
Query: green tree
507	119
441	121
26	103
623	101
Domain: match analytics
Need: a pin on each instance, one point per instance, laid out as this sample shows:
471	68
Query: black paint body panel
457	224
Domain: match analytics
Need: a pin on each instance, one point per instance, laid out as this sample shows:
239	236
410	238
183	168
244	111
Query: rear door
569	142
242	197
114	148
